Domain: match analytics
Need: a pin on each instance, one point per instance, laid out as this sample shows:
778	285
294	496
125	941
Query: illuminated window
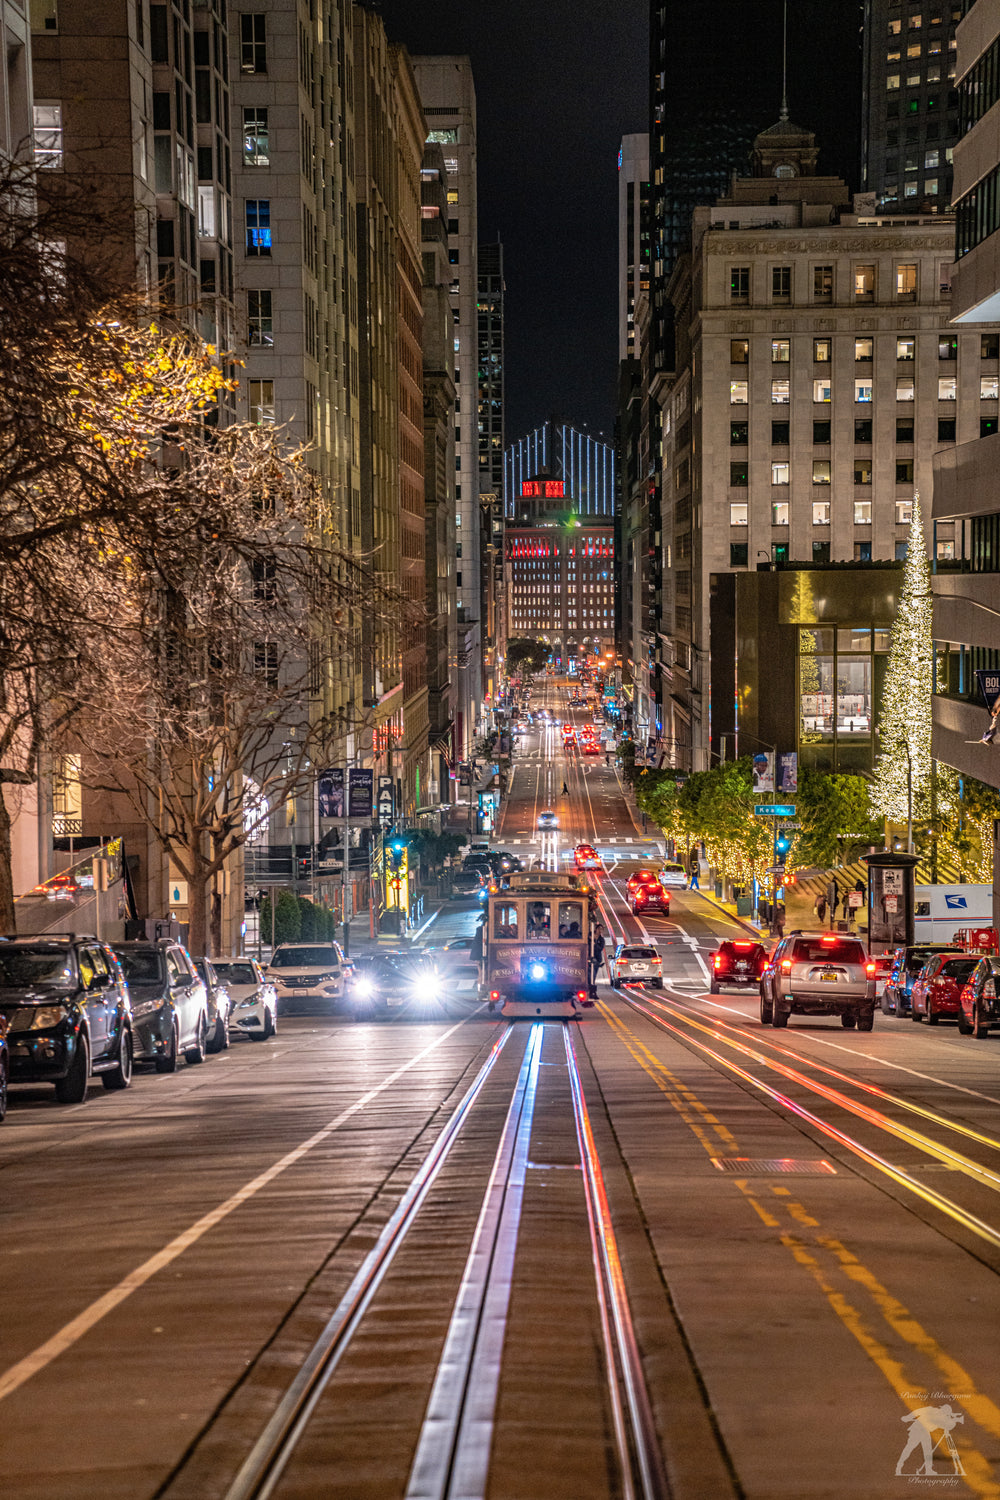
863	351
48	136
779	392
821	513
739	392
260	395
862	513
988	388
821	471
738	514
905	348
947	388
904	512
864	283
779	513
863	389
780	351
256	139
906	282
258	226
822	351
780	472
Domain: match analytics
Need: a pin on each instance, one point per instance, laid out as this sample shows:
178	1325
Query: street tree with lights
901	783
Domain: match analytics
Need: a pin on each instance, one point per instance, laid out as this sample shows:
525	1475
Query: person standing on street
597	958
693	867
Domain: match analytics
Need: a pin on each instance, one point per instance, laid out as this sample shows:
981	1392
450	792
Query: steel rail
637	1439
261	1471
453	1451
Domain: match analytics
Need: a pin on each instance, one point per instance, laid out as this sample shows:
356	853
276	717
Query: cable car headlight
537	971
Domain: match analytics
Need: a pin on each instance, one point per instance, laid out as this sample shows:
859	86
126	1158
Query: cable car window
505	921
539	919
570	919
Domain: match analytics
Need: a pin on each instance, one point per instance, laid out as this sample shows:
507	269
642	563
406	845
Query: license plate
831	978
742	968
638	969
304	993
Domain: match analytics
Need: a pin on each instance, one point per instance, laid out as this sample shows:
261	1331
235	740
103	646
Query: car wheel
167	1061
657	984
849	1022
3	1089
120	1076
269	1028
73	1088
220	1036
932	1016
196	1054
916	1015
713	986
766	1013
963	1025
779	1018
867	1021
980	1028
887	1008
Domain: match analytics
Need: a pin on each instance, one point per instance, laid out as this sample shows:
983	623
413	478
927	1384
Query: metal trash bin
744	906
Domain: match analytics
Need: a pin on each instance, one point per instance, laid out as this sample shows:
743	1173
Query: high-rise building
633	237
966	504
909	105
559	571
816	376
489	315
585	463
448	96
439	469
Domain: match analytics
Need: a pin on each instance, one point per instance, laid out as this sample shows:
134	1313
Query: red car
645	893
938	986
587	857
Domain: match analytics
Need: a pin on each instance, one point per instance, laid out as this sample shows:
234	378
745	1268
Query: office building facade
967	477
558	572
448	96
816	377
909	105
634	237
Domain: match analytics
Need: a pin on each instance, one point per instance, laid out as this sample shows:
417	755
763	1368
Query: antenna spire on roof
783	117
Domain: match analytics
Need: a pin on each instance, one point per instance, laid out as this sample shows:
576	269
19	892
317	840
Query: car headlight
248	1003
146	1007
38	1017
362	989
426	988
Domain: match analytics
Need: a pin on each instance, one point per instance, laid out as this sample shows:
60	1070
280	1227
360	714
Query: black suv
737	961
169	1003
67	1008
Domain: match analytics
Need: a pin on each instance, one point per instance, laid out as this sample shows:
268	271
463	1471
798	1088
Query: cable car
537	945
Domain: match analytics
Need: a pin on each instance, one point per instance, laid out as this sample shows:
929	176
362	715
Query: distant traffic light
782	843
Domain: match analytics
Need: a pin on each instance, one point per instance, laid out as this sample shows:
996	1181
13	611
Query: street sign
775	810
385	801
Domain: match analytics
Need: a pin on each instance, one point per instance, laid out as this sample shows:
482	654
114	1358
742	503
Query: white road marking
77	1327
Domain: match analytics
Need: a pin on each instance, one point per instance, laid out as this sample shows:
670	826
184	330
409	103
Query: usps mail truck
939	911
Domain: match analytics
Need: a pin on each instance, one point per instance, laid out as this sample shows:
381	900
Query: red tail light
494	994
786	966
716	961
581	994
870	969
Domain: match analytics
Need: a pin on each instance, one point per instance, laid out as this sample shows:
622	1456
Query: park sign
775	810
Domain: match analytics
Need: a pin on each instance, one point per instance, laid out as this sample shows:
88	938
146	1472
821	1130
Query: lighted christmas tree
905	721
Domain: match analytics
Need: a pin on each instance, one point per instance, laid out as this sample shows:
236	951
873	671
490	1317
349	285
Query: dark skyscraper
910	108
715	81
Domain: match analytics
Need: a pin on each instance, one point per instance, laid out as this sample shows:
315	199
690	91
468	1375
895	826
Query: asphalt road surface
661	1250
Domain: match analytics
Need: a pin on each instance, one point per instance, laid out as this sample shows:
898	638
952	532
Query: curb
747	926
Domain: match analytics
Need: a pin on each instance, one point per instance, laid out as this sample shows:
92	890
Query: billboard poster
361	787
788	772
331	792
763	771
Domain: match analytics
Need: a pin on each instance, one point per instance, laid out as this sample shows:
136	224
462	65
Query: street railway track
453	1450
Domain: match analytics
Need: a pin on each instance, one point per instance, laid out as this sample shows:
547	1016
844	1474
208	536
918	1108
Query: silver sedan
255	1003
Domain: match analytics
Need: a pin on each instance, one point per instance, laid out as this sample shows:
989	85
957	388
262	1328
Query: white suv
307	974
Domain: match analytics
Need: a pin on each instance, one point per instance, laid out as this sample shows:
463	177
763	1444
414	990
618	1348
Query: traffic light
782	844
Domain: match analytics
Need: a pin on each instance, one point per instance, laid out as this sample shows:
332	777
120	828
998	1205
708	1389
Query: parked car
937	987
586	857
466	883
979	1008
883	968
547	819
673	875
255	1001
307	975
66	1013
737	963
169	1003
635	962
219	1005
906	965
819	974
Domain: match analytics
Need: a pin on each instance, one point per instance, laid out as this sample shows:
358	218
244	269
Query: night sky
558	83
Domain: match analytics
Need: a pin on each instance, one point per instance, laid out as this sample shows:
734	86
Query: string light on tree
905	722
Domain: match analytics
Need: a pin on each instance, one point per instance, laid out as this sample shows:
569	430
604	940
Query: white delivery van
940	910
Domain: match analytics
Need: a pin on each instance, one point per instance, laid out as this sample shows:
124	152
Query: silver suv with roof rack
819	974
